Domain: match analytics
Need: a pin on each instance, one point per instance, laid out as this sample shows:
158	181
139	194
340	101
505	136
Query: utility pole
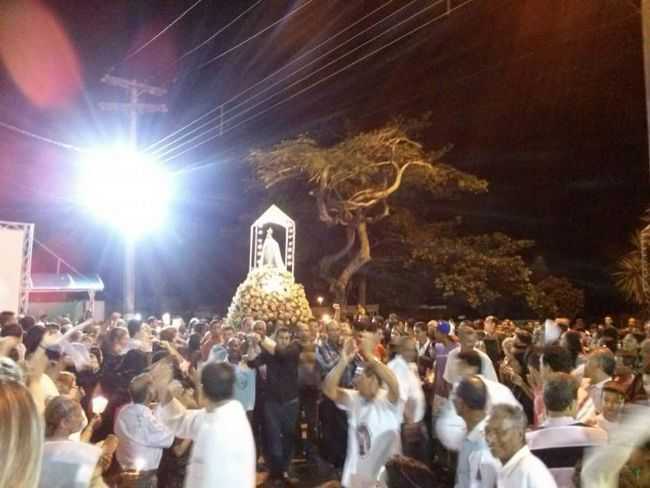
133	107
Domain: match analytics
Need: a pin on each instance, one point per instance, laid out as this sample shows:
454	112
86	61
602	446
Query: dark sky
545	99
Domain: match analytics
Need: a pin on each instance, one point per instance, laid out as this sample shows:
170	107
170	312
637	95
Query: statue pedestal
269	294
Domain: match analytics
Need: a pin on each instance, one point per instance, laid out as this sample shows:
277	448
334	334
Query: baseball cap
444	328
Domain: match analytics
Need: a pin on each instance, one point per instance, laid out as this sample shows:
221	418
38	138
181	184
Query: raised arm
330	386
78	327
383	371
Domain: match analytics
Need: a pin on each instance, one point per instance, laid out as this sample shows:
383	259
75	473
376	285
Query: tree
475	270
557	297
628	276
354	182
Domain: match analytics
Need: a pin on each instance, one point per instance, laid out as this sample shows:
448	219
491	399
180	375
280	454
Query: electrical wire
254	36
282	68
242	112
219	32
165	29
323	80
160	153
38	137
213	36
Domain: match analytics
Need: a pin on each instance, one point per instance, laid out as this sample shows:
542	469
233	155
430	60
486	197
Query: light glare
126	189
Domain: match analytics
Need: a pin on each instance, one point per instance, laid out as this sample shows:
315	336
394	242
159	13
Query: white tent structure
273	216
16	242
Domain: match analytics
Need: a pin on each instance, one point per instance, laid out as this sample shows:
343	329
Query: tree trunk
327	262
363	289
361	258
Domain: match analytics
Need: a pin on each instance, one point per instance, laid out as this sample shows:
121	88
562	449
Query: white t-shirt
451	375
68	464
373	437
411	395
450	427
223	454
524	470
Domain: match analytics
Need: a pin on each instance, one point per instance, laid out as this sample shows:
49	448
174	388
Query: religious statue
271	254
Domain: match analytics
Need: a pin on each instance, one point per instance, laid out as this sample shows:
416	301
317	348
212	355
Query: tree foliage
628	276
557	297
475	269
353	181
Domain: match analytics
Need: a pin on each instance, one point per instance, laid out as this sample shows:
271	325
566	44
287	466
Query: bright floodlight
126	189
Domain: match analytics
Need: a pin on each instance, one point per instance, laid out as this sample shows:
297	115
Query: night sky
544	99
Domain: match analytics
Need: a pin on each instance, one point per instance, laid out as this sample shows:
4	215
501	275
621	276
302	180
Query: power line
169	26
38	137
459	79
408	19
219	32
293	61
254	36
323	80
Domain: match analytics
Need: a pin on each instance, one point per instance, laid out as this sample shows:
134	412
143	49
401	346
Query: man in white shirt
142	437
412	402
476	467
410	386
223	454
468	340
599	369
506	436
450	427
374	415
561	440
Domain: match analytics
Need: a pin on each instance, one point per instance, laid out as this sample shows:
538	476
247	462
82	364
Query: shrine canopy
273	216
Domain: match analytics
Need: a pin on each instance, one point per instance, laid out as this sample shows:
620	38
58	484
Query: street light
320	300
130	192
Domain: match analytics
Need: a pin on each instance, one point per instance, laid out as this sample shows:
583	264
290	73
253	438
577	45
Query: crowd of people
374	402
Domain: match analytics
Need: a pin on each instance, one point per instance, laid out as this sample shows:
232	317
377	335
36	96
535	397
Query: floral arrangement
269	294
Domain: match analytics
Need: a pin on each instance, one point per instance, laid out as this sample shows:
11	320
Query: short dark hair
610	343
218	380
472	358
33	338
27	322
13	330
560	390
558	359
420	325
524	336
472	392
134	327
610	332
405	472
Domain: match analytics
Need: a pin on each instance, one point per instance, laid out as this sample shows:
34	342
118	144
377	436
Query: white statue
271	254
